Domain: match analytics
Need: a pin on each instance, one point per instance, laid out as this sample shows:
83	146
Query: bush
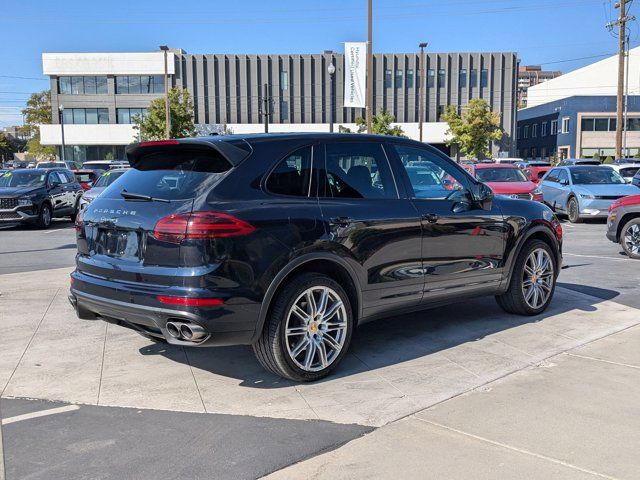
608	160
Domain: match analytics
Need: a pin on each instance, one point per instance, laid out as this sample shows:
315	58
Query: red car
87	178
507	180
535	174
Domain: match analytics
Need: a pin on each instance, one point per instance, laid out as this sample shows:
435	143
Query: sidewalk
574	416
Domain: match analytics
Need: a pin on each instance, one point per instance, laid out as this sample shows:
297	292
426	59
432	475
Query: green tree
380	125
343	129
38	112
472	131
608	160
152	125
6	147
596	156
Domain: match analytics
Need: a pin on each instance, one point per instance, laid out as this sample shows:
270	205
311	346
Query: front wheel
573	210
630	238
44	218
533	280
308	330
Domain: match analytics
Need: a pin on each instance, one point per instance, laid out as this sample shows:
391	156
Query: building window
440	112
587	124
534	130
462	78
409	78
284	80
554	127
473	78
612	124
484	78
127	115
91	85
431	75
633	124
398	78
534	152
518	133
81	116
134	84
525	131
387	79
601	124
565	124
543	130
441	78
284	110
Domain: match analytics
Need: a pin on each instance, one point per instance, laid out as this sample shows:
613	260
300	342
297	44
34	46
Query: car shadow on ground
56	224
387	341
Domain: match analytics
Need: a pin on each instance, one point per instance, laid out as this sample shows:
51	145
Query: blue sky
560	34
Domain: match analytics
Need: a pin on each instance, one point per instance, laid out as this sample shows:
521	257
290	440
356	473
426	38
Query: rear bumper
230	324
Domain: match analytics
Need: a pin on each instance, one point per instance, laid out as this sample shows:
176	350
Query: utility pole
167	112
421	94
369	102
62	154
621	23
266	108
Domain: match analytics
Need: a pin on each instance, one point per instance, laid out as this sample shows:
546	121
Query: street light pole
331	69
167	119
421	94
369	100
61	109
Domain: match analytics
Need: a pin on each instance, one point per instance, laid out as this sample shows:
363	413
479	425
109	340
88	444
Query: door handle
341	221
430	217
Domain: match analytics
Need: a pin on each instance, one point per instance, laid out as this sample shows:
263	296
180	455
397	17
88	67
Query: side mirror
564	182
54	184
484	196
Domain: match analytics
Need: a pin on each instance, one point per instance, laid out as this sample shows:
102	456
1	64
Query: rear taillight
156	143
79	223
558	229
200	225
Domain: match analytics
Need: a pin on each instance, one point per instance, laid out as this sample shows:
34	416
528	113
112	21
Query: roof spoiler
233	154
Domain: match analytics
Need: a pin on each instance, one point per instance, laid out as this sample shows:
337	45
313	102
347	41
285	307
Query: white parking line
55	230
595	256
41	413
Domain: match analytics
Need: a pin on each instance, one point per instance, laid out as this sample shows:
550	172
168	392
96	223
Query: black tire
573	210
513	300
271	350
631	250
44	217
76	210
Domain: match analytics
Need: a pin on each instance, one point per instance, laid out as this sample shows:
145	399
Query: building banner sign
355	74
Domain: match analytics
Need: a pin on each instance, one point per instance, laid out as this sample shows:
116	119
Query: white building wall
600	78
146	63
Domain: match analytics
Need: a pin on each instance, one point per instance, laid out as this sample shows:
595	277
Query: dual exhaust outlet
190	332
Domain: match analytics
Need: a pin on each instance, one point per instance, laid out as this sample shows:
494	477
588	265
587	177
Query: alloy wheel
316	328
46	216
537	278
632	239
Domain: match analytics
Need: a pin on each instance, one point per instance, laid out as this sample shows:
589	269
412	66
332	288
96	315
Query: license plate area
118	243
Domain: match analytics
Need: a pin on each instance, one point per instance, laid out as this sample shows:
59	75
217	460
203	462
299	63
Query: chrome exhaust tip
173	329
192	332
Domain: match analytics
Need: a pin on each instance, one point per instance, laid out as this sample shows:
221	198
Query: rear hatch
131	232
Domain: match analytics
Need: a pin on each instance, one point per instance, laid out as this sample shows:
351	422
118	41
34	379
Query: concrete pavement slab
581	411
35	281
412	449
623	348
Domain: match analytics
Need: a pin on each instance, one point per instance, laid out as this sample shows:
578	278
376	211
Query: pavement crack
186	355
104	349
33	335
516	449
596	359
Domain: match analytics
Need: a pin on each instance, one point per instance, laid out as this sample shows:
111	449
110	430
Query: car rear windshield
595	176
22	179
107	178
84	177
629	171
174	175
500	175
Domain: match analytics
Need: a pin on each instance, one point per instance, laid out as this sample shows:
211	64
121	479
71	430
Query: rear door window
553	176
172	175
292	176
356	170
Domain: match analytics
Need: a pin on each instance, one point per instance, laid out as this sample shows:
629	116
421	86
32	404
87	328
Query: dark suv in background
37	195
287	242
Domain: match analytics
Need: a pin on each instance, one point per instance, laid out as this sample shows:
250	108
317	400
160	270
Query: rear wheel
573	210
44	218
308	330
630	238
533	280
76	210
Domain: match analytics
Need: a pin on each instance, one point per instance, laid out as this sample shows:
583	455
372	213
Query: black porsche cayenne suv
287	242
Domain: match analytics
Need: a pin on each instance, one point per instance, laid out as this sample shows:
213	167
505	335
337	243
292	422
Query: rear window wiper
141	196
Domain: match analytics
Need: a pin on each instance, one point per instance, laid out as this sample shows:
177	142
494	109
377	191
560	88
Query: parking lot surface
132	397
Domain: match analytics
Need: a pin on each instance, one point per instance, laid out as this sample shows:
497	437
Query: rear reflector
190	301
157	143
200	225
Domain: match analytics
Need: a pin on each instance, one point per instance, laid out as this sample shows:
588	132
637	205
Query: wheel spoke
300	313
324	298
331	311
322	354
536	295
311	301
335	326
304	343
296	330
529	294
331	342
311	353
